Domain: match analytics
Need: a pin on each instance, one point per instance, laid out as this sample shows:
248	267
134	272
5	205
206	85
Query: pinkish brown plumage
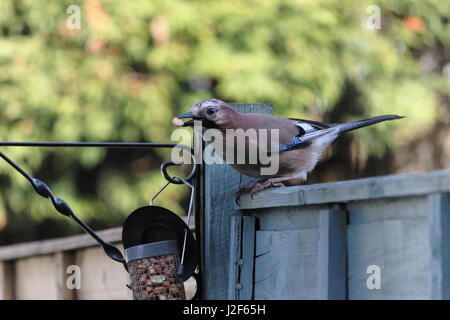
295	162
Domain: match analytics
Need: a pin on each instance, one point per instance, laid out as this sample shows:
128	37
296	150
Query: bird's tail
366	122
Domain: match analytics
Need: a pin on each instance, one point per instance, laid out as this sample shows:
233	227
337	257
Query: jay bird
301	142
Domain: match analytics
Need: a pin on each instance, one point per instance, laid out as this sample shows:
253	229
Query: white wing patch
306	127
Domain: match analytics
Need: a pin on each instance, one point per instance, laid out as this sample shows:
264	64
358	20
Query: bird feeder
160	249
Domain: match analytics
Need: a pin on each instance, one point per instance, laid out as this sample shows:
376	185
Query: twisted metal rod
63	207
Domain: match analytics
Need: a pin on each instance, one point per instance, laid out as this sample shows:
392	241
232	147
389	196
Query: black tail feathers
366	122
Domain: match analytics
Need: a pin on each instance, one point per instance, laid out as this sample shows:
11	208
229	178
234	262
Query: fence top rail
43	247
392	186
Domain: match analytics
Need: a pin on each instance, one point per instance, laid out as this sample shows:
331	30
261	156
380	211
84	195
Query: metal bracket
62	207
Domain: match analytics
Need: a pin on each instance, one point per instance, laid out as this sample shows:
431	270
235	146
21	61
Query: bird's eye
210	111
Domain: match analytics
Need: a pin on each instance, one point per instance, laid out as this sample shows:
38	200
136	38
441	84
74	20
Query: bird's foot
269	183
241	191
260	185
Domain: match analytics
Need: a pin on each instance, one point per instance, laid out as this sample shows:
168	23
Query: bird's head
213	113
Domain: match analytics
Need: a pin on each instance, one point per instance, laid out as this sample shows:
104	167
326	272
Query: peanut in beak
177	122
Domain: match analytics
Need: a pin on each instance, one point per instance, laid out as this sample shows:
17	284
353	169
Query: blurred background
133	65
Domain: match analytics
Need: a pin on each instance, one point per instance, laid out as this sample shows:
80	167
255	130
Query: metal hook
166	164
172	180
188	217
160	190
178	180
175	179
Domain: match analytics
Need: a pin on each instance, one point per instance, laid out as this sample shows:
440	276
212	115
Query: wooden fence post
439	222
62	261
332	275
242	258
7	291
220	184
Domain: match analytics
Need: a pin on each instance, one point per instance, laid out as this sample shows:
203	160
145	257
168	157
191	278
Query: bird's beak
189	115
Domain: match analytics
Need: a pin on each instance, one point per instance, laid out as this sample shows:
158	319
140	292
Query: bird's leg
271	182
250	187
259	185
247	189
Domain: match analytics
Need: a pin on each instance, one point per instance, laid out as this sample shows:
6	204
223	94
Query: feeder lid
151	224
153	249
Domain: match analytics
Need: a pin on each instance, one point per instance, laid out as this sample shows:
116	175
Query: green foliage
133	65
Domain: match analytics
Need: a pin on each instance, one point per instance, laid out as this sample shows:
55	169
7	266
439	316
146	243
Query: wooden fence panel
401	252
307	262
36	278
439	223
336	240
288	270
394	236
7	288
101	277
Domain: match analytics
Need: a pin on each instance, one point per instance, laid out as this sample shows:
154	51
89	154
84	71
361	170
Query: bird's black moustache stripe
205	123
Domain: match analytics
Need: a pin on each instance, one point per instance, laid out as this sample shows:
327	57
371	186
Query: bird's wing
293	133
308	130
315	124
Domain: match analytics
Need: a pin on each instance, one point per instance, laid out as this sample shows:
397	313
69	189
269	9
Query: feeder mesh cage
154	278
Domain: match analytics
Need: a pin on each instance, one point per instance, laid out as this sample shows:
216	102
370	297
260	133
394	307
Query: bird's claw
243	190
237	197
256	187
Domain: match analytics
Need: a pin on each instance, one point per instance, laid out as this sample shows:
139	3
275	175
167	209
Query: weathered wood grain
304	263
36	278
242	254
101	277
62	261
394	235
404	232
247	258
7	277
288	218
235	255
288	270
439	223
263	243
400	248
394	186
376	210
221	183
332	272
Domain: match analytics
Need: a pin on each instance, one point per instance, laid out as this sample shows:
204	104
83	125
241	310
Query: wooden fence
377	238
321	241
